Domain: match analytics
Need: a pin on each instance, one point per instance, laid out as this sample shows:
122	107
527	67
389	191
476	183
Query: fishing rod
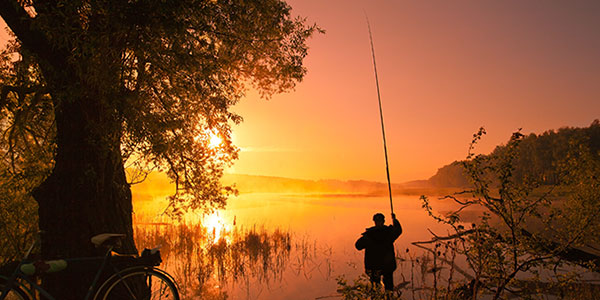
387	167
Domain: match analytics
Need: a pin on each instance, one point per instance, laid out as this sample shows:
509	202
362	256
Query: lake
322	231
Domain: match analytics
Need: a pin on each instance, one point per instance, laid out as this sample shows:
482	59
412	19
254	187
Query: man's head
379	219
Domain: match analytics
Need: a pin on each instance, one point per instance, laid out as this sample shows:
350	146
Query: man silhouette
380	257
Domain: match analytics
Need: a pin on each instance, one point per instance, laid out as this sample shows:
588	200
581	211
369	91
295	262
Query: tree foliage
525	226
539	156
163	74
26	151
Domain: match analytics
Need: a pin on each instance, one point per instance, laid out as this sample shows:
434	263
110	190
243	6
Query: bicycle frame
13	280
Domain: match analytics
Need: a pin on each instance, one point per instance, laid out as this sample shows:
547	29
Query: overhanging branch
20	22
22	25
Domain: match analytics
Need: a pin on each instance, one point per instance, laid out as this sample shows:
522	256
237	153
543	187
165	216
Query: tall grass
206	262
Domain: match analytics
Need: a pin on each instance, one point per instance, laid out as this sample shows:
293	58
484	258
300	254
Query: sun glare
215	226
215	140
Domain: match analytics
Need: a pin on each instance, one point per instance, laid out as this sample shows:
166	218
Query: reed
209	264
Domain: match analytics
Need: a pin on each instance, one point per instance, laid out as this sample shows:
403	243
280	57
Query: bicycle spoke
14	294
142	285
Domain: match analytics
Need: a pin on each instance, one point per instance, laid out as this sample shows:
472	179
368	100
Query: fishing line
387	167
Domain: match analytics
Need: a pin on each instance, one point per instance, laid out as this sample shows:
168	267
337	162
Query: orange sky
445	69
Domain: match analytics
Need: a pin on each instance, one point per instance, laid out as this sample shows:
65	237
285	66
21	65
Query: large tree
91	85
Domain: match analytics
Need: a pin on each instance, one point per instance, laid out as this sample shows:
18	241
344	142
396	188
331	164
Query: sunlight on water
216	226
294	246
276	246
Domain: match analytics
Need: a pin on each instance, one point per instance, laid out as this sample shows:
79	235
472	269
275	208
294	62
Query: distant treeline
539	158
267	184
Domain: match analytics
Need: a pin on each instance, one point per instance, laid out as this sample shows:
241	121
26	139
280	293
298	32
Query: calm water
318	244
326	227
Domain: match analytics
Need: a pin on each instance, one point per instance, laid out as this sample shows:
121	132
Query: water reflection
216	225
273	246
214	262
282	246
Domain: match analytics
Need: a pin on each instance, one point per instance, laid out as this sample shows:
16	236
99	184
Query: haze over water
326	227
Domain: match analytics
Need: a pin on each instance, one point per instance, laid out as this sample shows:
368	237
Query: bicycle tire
14	293
138	283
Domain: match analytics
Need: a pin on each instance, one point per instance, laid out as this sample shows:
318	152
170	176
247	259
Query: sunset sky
445	69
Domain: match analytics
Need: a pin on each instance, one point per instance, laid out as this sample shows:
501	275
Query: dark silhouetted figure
380	258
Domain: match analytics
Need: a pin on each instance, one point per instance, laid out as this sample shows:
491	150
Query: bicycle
127	277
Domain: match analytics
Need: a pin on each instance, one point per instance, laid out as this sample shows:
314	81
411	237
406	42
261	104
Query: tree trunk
86	194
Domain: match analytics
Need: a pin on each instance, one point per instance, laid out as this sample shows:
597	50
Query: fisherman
380	257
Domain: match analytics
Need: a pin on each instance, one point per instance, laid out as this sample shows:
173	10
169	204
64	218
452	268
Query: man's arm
396	227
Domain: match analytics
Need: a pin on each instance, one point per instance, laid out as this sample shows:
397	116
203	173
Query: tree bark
86	194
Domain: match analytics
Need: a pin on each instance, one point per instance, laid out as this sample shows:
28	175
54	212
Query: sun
214	140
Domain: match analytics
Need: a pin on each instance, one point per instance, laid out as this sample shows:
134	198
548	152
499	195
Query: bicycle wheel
139	284
15	293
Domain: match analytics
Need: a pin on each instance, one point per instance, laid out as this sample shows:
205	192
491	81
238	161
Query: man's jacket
378	243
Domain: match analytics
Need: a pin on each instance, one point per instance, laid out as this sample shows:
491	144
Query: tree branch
19	21
35	41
